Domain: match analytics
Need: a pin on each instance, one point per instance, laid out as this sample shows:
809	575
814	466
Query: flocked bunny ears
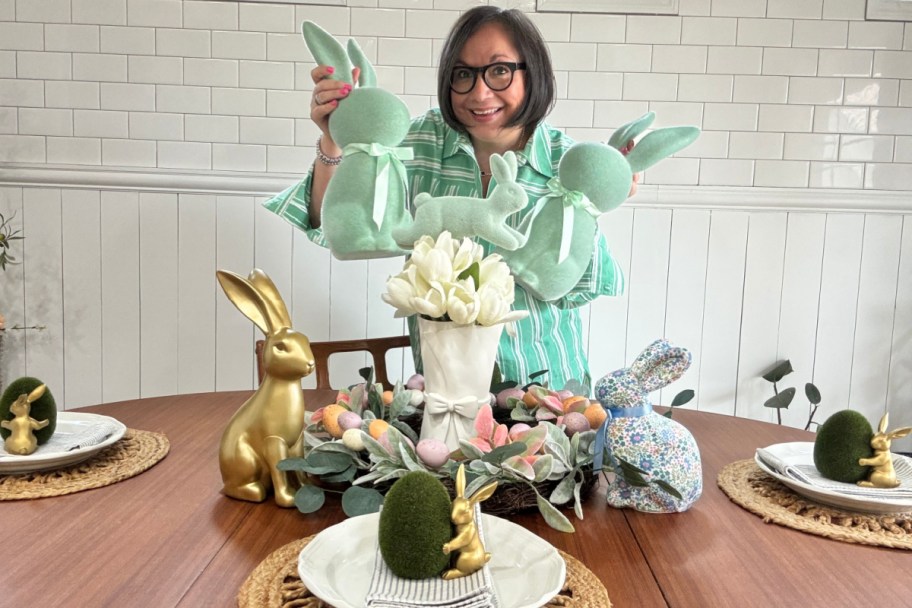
657	366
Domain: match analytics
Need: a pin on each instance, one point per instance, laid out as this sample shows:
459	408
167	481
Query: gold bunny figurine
882	475
268	427
21	440
471	552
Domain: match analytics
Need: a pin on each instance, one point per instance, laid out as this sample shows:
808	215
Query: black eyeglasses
498	76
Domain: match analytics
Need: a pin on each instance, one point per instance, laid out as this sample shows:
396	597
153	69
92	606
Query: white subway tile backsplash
811	146
705	87
288	159
66	94
893	64
653	29
789	9
679	59
835	62
238	157
866	148
790	62
239	102
574	56
786	118
182	99
416	81
68	37
871	92
46	66
623	58
738	8
391	78
100	12
830	119
651	87
211	128
760	89
128	40
903	150
836	175
9	121
436	24
730	116
21	92
891	121
22	149
562	84
594	85
211	72
184	155
817	91
257	17
155	70
571	113
881	176
378	22
276	47
749	145
672	113
844	9
678	171
734	60
404	52
905	93
206	15
712	31
334	19
157	125
726	172
291	104
118	96
128	152
764	32
100	67
44	11
306	133
820	34
368	46
710	144
554	27
182	43
73	151
613	114
257	130
265	75
154	13
7	64
21	36
587	27
44	121
781	173
876	35
101	124
907	38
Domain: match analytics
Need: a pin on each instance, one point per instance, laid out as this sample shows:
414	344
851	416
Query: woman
495	85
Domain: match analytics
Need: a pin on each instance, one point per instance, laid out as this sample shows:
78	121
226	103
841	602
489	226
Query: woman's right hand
326	95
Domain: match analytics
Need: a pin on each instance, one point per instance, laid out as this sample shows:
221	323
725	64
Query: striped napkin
390	591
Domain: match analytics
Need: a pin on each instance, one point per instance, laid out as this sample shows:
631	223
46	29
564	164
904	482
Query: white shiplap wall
137	138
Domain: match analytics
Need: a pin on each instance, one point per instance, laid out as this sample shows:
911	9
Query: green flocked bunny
365	200
466	216
593	178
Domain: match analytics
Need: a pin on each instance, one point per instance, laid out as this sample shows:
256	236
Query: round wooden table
168	537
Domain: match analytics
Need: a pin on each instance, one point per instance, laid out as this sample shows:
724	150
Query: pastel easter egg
377	427
349	420
416	398
352	440
331	415
433	452
518	429
574	423
507	393
415	382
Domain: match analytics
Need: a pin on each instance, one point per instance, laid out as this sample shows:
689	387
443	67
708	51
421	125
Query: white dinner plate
68	423
337	565
801	453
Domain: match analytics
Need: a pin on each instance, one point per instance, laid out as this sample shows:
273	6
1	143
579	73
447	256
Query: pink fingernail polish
331	70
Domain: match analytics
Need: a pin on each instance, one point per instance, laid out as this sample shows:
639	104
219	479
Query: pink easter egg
433	452
518	429
349	420
574	423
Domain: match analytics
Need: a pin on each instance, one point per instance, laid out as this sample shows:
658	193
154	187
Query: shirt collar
537	152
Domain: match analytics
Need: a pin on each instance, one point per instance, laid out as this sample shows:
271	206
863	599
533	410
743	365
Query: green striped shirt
551	337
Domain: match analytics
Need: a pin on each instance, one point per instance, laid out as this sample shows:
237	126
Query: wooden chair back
377	347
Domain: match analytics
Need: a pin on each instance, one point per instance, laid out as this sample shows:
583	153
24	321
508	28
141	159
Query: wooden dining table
168	537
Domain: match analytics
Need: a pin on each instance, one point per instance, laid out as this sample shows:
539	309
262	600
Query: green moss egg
414	525
841	440
44	408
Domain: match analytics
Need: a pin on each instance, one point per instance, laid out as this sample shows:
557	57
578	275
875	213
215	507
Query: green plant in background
781	400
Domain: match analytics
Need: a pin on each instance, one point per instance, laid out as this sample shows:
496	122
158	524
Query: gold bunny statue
882	475
471	552
22	427
268	427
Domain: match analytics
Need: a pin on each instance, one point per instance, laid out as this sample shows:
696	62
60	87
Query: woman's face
484	112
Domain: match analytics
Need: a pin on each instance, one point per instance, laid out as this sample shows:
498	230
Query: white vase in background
458	362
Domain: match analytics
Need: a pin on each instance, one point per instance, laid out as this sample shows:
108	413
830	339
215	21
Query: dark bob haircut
532	49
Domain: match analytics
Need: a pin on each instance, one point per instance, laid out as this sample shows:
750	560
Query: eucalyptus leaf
323	463
553	517
631	474
361	501
499	454
537	374
778	371
291	464
667	487
812	393
562	492
682	398
504	385
782	400
309	499
345	476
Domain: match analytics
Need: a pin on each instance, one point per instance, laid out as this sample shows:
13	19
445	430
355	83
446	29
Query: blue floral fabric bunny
656	444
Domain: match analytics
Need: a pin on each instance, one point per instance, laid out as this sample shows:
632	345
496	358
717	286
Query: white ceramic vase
458	362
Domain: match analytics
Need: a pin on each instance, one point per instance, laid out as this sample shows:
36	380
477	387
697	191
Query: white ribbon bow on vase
438	405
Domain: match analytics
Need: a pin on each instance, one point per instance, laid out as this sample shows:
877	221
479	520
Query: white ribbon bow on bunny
386	156
438	405
571	200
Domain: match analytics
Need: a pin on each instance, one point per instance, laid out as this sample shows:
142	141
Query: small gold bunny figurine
22	428
268	427
882	475
471	552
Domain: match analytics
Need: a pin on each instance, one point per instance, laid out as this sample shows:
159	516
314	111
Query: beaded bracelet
332	161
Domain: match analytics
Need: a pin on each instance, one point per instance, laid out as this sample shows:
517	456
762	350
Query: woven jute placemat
134	453
275	583
748	486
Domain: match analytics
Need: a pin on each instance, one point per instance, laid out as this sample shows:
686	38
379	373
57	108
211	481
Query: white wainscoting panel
310	290
12	297
899	390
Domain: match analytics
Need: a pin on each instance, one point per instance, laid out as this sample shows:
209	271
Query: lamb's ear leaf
631	130
326	50
660	144
368	77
